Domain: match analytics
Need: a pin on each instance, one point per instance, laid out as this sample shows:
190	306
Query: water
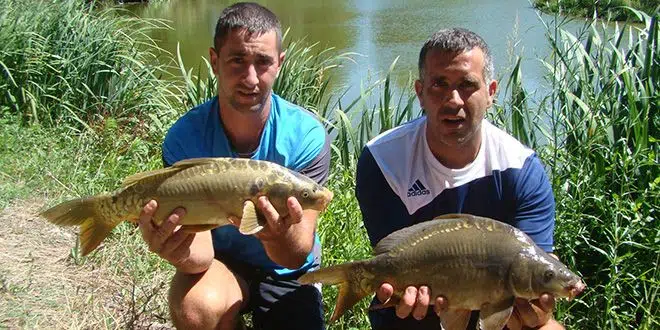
380	30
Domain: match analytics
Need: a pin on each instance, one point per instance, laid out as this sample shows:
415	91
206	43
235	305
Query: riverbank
610	9
85	104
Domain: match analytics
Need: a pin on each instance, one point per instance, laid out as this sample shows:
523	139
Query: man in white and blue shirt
452	160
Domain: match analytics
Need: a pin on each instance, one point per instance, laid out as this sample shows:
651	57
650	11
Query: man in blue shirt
453	161
221	273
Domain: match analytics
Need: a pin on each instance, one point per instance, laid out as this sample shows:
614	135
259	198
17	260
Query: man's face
455	97
246	67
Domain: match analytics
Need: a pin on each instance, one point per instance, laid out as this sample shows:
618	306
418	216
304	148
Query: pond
379	30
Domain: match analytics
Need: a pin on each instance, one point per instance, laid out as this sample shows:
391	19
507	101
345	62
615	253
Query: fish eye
305	194
548	276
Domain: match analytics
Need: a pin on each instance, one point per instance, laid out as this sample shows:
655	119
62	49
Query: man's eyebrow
239	53
438	78
473	79
264	56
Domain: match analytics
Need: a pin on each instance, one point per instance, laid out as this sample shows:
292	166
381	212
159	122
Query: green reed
605	164
67	63
608	9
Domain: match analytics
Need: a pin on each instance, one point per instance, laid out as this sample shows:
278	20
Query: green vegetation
617	10
84	104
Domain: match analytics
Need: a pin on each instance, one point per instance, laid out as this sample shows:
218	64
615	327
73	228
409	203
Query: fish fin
92	233
400	236
250	223
455	319
190	162
348	277
454	216
94	227
198	228
167	171
495	316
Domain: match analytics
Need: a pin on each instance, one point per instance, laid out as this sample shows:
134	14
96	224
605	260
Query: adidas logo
418	189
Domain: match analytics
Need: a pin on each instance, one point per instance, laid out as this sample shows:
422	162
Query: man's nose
251	76
454	99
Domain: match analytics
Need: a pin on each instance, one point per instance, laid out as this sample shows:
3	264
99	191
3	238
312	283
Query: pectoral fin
456	319
495	316
250	221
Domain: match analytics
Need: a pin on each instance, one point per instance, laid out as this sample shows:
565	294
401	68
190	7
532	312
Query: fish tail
84	212
349	276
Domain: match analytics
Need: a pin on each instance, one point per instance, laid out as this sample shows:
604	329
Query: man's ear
281	59
213	57
419	90
492	89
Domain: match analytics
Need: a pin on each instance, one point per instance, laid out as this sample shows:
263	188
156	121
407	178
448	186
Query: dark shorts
386	319
278	301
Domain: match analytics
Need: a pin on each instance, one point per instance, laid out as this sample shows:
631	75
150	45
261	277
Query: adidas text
418	193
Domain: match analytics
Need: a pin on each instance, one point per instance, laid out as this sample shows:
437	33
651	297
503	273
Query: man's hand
414	301
535	314
277	225
289	238
166	240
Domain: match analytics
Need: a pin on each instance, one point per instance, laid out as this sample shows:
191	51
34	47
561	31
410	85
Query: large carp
476	263
210	189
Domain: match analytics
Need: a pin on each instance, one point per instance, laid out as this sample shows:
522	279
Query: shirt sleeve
382	210
318	168
535	204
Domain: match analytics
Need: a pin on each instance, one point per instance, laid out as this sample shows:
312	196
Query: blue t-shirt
401	183
292	137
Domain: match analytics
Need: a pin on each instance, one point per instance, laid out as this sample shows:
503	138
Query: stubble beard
460	139
250	109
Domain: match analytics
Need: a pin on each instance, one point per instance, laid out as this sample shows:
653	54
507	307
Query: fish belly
207	200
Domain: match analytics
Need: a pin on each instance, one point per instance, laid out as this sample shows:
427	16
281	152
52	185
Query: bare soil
41	285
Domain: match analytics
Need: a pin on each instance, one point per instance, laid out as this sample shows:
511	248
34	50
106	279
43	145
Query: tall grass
82	104
358	121
66	63
606	175
608	9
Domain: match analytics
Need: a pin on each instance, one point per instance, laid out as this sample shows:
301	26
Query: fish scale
476	263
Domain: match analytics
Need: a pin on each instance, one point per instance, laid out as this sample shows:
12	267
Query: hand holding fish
414	300
277	224
168	240
534	314
288	238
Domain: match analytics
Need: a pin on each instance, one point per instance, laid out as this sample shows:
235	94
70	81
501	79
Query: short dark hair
253	17
457	40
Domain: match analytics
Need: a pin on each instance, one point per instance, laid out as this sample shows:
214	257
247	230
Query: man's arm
289	240
383	212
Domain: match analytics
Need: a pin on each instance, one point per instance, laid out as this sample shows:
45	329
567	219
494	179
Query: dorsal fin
178	166
400	236
455	216
195	161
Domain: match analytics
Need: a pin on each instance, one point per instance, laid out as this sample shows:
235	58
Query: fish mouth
575	289
323	202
